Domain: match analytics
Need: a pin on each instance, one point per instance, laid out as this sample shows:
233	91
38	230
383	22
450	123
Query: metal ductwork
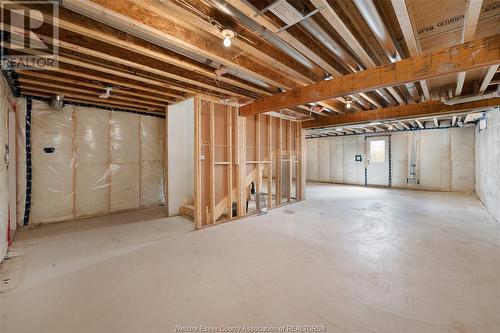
57	102
446	99
372	17
309	25
261	31
117	23
317	31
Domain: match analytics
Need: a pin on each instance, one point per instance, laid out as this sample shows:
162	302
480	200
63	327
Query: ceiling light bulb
227	34
348	105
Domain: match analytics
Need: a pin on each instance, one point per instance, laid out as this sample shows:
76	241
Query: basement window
377	151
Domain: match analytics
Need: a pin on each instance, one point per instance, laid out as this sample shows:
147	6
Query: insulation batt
88	161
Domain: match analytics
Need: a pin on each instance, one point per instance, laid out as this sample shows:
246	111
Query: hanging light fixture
348	102
227	34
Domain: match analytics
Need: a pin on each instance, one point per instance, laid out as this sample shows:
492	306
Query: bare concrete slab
349	259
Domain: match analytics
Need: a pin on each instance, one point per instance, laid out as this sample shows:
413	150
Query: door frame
389	157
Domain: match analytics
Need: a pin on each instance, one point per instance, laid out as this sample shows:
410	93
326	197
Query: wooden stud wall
231	152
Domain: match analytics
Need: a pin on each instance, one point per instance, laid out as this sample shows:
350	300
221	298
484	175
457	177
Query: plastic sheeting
487	166
4	182
21	159
89	161
445	159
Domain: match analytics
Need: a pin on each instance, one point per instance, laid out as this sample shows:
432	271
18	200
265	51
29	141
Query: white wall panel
401	154
487	163
462	158
312	159
324	160
180	154
444	159
337	160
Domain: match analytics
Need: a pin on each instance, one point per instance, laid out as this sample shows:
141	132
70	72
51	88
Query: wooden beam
476	54
38	75
400	112
101	55
143	48
167	33
85	101
265	52
246	8
488	76
412	43
334	20
28	82
91	99
120	83
472	12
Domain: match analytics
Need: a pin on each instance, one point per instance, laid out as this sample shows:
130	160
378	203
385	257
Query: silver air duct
446	99
57	102
317	31
261	31
372	17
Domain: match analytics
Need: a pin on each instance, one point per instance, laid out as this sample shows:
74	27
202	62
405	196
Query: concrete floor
350	258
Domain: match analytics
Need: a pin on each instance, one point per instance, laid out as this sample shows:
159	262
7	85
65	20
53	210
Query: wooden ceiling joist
124	62
488	76
60	79
168	33
90	102
409	35
476	54
89	99
264	52
27	83
142	48
400	112
472	12
119	83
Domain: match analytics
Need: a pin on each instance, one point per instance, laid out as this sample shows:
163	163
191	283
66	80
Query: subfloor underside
352	259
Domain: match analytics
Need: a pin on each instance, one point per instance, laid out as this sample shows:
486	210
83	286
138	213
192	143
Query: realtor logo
30	34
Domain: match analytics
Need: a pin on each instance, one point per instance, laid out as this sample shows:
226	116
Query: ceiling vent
286	12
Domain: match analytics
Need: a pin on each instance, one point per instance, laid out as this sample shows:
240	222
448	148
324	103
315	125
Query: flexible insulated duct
471	98
262	31
372	17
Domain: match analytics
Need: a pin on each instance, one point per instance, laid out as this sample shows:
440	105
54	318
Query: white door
377	161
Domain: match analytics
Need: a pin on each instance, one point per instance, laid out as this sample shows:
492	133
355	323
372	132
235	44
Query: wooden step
187	210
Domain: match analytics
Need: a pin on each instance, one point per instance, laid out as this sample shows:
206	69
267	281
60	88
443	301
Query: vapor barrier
89	161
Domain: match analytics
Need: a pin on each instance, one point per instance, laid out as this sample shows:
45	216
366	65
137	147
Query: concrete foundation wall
487	164
445	159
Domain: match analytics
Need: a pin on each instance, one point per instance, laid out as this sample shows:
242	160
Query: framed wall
238	157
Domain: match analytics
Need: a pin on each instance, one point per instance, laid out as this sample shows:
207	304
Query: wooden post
212	163
257	147
289	154
242	151
270	170
197	163
278	178
230	160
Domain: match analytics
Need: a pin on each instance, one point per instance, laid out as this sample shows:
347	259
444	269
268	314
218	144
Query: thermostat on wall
359	158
